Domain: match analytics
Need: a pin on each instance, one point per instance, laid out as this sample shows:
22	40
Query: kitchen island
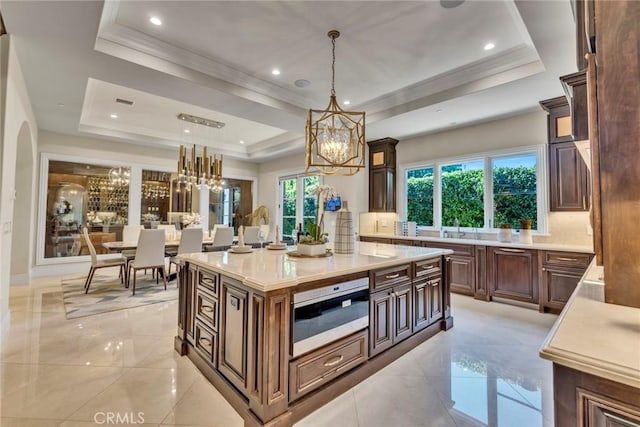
279	336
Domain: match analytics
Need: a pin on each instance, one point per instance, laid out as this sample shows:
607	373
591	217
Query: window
514	189
420	196
463	194
480	193
297	202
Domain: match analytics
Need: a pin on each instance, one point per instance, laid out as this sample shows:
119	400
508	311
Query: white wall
17	111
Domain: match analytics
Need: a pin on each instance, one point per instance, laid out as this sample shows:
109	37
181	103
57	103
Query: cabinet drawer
567	259
428	267
317	368
206	343
458	249
210	281
206	308
386	277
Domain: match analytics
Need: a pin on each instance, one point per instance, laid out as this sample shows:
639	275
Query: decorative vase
345	239
504	234
312	250
526	235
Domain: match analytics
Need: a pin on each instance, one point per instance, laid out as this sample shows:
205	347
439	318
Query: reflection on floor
58	372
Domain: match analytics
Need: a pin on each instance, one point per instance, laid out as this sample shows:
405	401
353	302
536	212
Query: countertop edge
580	362
537	245
252	283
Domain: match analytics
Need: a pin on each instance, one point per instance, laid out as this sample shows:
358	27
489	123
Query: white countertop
267	270
594	337
535	245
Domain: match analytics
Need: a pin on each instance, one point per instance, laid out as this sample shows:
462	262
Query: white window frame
541	190
299	177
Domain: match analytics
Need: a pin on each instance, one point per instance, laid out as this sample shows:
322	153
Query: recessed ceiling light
241	142
114	116
60	104
347	102
489	46
187	131
439	110
302	83
275	72
155	20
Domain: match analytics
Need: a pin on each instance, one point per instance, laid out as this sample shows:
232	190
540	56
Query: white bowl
241	249
277	246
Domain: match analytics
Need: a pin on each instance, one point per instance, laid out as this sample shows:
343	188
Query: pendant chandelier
200	170
119	176
334	137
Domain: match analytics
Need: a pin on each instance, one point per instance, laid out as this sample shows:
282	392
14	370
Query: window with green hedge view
514	192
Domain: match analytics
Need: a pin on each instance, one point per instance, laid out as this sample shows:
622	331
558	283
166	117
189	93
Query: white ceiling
400	61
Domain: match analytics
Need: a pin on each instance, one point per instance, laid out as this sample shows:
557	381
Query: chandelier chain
333	65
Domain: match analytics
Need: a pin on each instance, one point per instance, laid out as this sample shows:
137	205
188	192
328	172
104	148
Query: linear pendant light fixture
334	137
200	170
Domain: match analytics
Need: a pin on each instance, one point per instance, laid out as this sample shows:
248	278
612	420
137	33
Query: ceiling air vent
124	101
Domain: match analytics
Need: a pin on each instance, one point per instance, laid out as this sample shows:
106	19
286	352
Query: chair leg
126	283
134	281
157	275
164	277
169	273
89	279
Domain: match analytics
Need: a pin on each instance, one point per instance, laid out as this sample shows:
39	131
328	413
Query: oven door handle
333	360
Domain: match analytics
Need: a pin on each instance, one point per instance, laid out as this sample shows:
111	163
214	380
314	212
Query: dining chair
101	263
251	236
190	242
130	233
149	254
222	239
169	229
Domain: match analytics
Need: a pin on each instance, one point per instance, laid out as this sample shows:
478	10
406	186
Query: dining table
119	246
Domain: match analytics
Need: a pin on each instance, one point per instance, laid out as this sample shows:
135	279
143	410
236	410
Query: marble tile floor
74	373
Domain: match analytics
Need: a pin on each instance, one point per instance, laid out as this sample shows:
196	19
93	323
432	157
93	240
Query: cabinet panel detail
403	312
234	327
381	321
514	274
314	369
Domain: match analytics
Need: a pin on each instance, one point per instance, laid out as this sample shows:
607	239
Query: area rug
107	294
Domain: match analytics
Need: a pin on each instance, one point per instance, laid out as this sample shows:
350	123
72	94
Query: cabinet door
381	321
232	361
420	305
514	274
558	284
436	310
382	190
569	178
463	275
403	324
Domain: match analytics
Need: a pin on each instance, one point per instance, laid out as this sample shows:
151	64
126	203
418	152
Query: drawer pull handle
428	267
544	269
334	360
207	342
392	276
434	282
567	259
515	251
448	258
207	308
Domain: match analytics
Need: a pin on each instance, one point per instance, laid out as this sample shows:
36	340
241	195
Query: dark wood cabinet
569	178
513	274
462	268
232	360
586	400
559	125
382	175
575	87
391	317
560	273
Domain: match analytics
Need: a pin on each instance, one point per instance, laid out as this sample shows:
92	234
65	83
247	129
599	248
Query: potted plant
314	243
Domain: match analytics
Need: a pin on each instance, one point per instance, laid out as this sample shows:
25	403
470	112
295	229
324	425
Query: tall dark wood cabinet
569	183
382	175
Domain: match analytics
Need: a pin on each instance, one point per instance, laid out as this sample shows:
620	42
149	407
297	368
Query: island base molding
304	406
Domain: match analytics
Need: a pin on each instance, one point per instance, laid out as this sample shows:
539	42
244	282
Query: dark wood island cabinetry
238	323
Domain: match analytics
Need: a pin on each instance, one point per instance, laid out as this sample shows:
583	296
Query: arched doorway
22	235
